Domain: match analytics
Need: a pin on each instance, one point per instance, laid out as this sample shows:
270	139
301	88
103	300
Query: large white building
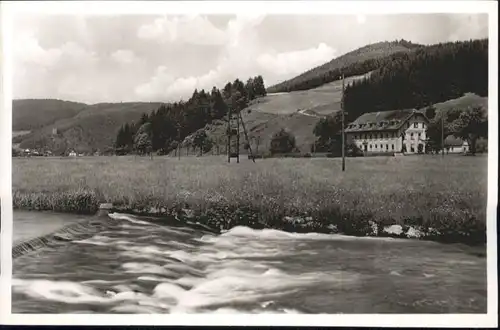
389	132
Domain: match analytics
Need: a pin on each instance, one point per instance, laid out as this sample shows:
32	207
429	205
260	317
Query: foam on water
186	271
214	273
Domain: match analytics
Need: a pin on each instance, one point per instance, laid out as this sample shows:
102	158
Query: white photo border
8	9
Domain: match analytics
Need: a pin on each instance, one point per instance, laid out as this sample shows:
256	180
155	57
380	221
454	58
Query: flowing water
138	266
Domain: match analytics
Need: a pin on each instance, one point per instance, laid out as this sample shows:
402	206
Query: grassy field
323	100
447	194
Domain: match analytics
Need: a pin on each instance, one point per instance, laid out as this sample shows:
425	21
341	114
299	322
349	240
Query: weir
75	231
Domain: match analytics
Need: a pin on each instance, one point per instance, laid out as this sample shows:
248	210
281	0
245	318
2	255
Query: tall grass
447	194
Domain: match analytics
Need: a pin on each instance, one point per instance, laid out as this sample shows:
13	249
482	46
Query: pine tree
219	107
259	88
250	88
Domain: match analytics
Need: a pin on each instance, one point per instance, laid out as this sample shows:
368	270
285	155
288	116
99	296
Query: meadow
442	197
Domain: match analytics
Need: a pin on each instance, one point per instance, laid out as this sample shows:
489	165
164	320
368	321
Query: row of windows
376	136
416	125
419	136
375	146
381	124
383	136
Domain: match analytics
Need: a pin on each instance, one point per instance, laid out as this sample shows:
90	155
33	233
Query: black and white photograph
250	161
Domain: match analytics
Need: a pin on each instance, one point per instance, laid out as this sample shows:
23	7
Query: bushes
78	201
282	142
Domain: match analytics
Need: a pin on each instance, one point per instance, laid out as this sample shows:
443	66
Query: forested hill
423	77
30	114
164	128
357	62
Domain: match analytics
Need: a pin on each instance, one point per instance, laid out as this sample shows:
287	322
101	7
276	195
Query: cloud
28	50
164	58
185	29
295	62
237	60
124	56
467	26
240	60
165	86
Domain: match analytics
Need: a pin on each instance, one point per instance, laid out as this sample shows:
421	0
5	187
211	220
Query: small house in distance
389	132
455	145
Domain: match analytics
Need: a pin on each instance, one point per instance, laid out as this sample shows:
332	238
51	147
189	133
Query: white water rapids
139	266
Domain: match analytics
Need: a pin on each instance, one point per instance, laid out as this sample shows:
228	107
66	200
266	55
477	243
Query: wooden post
237	140
228	133
343	130
442	136
246	137
179	143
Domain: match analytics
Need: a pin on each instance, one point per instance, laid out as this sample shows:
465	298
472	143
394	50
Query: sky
124	58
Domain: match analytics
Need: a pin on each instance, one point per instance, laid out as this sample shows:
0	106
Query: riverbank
422	197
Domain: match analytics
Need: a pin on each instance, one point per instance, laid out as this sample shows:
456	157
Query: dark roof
381	121
452	141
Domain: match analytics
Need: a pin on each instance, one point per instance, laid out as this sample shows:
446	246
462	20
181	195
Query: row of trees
468	125
421	78
166	127
358	62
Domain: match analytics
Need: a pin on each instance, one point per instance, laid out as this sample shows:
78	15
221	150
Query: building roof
381	121
452	141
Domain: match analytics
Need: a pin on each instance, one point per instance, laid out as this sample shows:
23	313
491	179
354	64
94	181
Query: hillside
260	123
261	126
429	75
296	111
356	62
417	77
321	100
92	128
461	103
31	114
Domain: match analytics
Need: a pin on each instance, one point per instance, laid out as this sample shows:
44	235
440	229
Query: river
136	265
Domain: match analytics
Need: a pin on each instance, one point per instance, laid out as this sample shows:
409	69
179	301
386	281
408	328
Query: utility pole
237	139
442	136
229	135
343	131
179	143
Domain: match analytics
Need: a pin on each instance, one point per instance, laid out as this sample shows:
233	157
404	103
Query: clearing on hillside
322	100
271	113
